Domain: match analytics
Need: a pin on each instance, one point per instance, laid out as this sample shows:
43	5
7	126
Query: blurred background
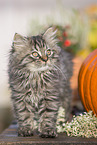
76	21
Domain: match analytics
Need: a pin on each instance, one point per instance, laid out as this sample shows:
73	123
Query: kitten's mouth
43	68
39	69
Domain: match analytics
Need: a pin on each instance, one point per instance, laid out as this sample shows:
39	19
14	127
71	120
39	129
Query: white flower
84	125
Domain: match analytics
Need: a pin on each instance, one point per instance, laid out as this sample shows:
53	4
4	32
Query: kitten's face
43	57
39	52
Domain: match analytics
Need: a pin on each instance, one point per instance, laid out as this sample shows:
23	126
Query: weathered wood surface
10	137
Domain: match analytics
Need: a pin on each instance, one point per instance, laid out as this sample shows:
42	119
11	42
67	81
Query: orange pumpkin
87	82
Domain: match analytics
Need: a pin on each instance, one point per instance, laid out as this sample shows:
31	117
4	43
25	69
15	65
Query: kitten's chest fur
42	86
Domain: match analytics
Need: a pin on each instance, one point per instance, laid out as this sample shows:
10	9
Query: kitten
39	78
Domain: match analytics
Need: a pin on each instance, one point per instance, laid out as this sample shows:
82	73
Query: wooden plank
10	137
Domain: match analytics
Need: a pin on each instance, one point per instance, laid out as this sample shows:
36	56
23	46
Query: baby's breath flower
84	125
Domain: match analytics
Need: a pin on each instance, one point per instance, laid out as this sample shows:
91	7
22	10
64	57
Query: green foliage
67	40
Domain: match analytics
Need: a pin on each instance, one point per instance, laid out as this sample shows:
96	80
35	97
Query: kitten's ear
50	36
18	41
18	37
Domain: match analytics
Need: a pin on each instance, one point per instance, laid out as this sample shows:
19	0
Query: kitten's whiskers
57	68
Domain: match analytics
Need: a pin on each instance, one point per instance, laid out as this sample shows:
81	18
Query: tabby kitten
39	74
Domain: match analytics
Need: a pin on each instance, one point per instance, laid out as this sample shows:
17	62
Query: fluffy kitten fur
39	78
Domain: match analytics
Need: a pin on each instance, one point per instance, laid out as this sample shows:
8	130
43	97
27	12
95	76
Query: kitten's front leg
25	126
48	115
24	118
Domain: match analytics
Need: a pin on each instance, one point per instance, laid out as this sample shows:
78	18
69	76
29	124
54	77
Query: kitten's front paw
25	131
50	133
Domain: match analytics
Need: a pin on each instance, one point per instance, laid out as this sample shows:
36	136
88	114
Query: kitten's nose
44	58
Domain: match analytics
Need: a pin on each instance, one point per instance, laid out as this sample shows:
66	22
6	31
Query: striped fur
39	74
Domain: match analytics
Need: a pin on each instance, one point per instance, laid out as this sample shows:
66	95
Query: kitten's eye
48	52
35	54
